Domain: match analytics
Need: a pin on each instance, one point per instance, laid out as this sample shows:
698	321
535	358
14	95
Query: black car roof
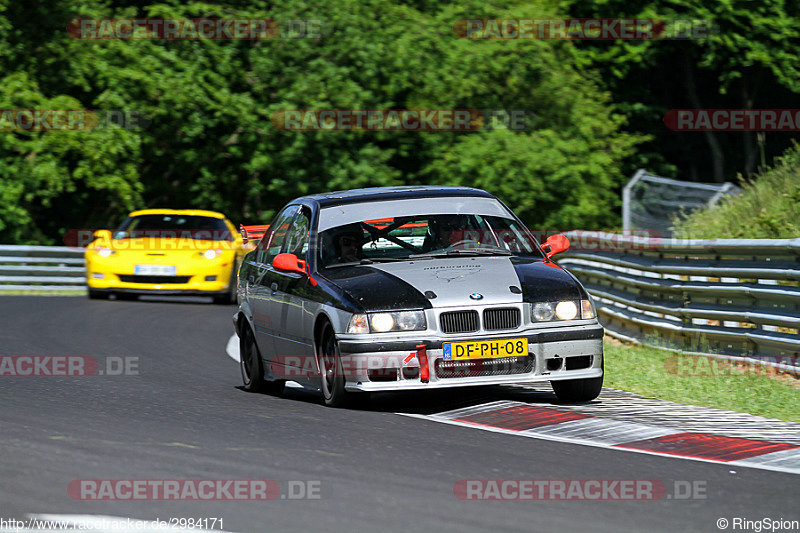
377	194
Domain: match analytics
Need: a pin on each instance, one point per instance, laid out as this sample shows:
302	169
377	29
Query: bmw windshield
425	236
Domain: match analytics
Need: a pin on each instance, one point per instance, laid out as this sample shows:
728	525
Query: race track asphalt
183	415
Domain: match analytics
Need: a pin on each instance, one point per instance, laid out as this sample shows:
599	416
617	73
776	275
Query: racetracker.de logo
454	120
70	120
192	489
605	29
215	29
576	490
722	367
733	119
66	366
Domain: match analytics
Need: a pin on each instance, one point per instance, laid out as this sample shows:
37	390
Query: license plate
495	349
155	270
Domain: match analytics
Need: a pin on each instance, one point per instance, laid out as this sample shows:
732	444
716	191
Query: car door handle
274	287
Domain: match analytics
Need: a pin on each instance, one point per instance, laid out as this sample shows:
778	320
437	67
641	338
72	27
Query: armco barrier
42	268
729	297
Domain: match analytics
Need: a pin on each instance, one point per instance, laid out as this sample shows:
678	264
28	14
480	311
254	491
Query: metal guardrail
731	297
42	268
735	298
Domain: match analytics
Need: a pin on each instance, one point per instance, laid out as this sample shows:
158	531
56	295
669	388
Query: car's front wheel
330	365
578	390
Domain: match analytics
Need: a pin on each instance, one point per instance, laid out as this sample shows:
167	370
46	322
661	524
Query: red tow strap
422	356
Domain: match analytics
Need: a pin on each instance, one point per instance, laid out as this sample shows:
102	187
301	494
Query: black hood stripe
375	290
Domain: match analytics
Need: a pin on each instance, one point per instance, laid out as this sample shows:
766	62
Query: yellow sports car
166	251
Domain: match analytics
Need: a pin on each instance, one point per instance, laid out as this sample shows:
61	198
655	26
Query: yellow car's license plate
495	349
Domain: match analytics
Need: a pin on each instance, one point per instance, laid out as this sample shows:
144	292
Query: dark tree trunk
717	157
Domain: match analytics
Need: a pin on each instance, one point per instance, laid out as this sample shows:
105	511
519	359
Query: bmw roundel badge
476	296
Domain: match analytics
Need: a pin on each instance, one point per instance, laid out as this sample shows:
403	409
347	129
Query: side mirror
555	244
290	263
102	235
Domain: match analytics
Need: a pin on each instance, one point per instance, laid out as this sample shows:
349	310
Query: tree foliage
208	141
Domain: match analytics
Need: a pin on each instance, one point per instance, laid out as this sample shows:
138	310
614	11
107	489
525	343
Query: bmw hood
455	282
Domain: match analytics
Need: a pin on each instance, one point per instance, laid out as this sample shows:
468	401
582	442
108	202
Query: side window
297	239
272	242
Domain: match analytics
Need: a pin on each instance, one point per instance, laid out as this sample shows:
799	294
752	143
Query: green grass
767	208
11	292
713	383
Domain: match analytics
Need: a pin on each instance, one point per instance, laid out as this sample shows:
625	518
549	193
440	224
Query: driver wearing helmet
444	230
347	243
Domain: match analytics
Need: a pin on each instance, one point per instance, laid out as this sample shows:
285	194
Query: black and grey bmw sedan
408	288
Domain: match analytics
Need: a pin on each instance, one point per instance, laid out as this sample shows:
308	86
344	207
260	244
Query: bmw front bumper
386	363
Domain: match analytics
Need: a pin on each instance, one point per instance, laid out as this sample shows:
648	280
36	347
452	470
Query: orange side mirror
555	244
289	263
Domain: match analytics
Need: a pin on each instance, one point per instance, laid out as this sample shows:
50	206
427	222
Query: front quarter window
272	242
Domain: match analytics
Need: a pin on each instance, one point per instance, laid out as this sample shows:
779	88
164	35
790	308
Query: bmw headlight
212	254
543	311
564	310
389	321
103	251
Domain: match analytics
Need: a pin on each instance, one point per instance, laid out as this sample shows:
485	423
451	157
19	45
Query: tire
97	295
229	297
330	364
578	390
252	367
126	296
223	299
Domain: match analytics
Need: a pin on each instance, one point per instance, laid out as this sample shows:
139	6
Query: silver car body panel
453	280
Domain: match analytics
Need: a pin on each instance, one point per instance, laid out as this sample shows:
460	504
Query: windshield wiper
350	263
454	253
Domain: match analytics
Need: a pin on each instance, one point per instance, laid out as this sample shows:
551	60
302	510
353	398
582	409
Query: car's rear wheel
252	366
578	390
330	365
250	361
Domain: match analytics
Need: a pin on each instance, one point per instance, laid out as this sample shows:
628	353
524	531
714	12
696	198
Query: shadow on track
434	401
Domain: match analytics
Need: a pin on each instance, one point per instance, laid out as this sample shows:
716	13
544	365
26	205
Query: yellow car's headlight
104	251
212	254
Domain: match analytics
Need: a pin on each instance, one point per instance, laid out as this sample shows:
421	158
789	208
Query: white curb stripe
232	349
604	433
603	430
